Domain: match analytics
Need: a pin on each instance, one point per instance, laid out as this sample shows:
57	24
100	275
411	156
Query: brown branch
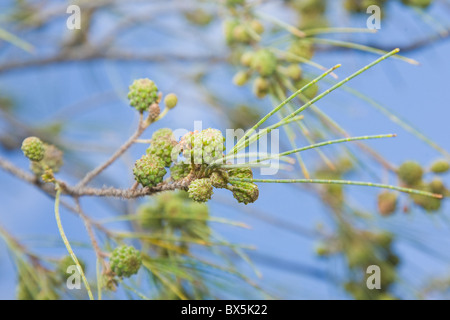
87	223
126	193
89	54
77	191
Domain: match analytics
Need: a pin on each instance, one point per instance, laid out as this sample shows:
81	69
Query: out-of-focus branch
89	54
48	189
15	244
413	46
99	192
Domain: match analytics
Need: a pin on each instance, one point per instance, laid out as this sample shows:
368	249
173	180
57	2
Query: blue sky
419	93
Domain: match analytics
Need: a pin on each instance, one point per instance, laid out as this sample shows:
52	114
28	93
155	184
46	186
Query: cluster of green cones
197	159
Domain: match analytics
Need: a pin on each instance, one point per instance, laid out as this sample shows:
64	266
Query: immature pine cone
179	171
125	261
149	170
142	94
219	179
242	173
153	111
245	192
200	190
33	148
162	144
201	147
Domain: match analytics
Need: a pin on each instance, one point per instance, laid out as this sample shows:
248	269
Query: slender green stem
289	132
67	244
290	28
326	143
315	31
397	120
357	46
250	165
311	102
305	132
300	59
255	155
281	105
162	114
343	182
340	83
329	122
261	133
13	39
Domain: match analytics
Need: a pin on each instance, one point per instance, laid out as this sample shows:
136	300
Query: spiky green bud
203	147
242	173
149	170
179	171
200	190
142	94
219	179
161	145
245	192
33	148
125	261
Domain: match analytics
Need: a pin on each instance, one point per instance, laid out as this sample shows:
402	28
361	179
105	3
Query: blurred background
69	87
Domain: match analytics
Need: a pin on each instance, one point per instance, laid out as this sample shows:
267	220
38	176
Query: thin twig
92	174
98	252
